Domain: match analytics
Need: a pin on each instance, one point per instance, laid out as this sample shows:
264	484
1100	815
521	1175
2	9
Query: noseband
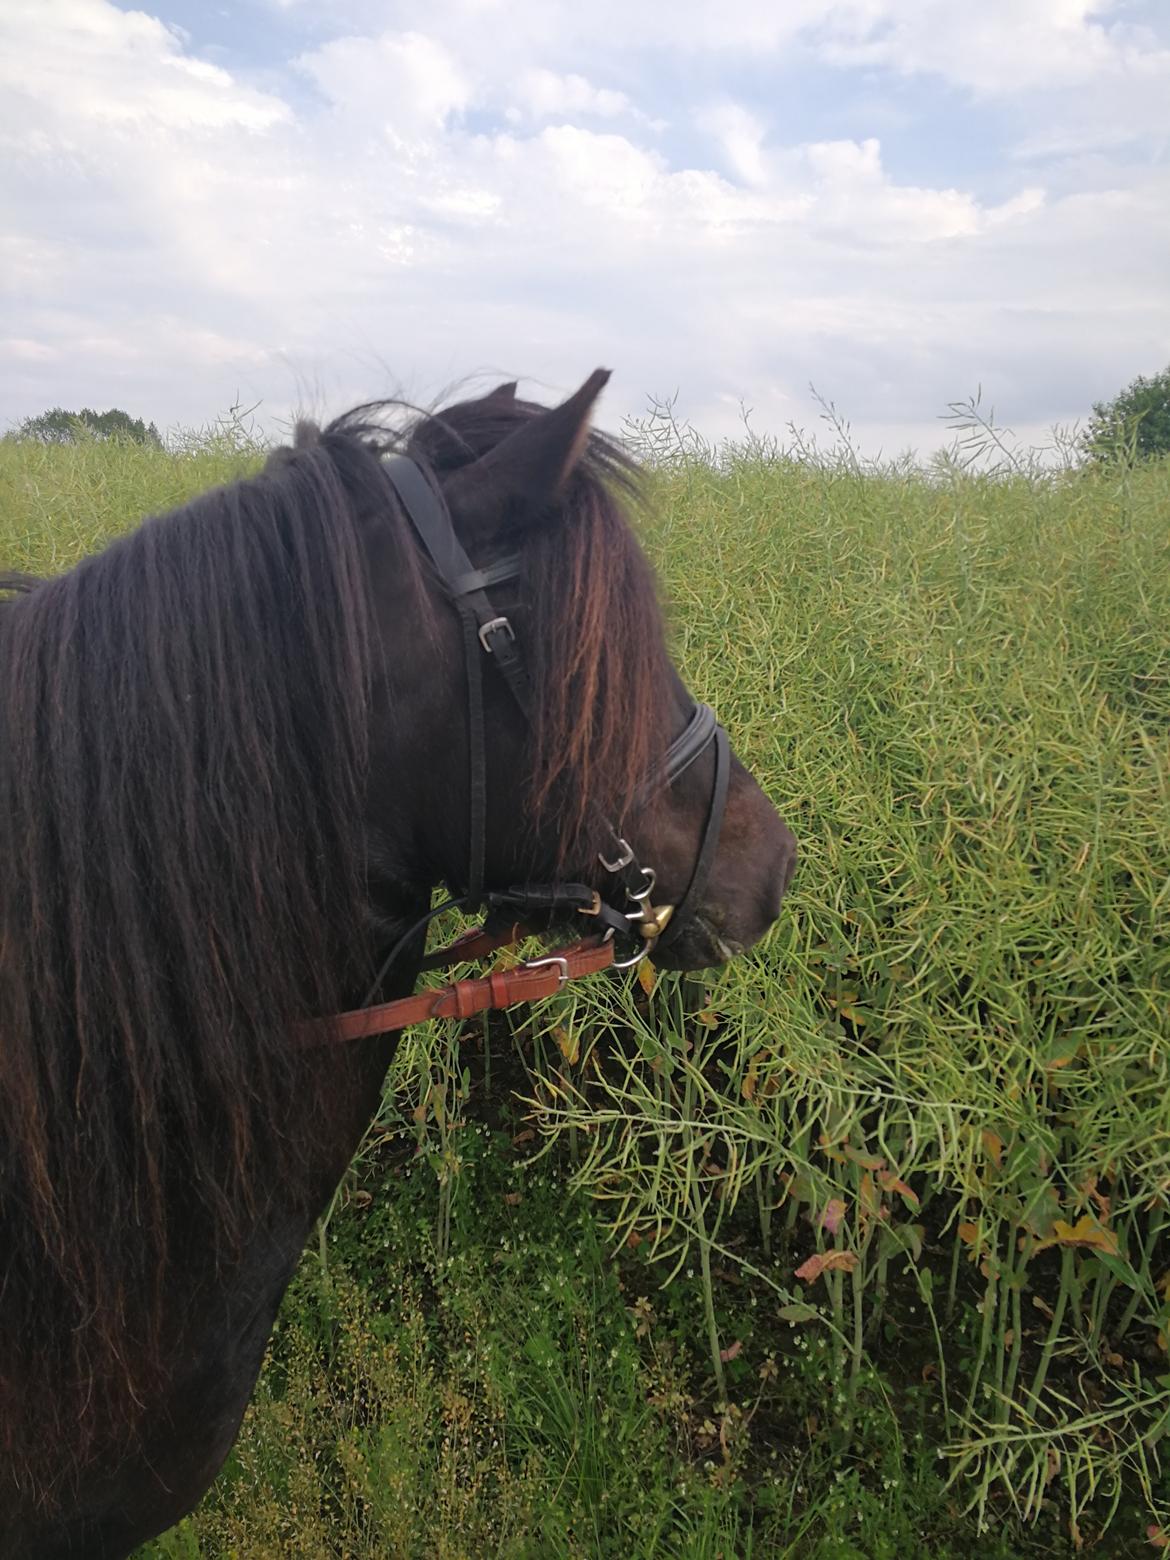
488	636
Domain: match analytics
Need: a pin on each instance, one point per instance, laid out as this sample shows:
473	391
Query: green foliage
944	1080
1135	424
509	1400
61	427
904	1168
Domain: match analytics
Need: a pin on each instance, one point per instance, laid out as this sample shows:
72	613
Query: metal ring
628	964
643	893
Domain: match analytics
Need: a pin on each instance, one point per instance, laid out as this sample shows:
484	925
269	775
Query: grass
857	1249
520	1399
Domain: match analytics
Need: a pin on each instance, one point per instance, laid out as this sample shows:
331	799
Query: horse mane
175	712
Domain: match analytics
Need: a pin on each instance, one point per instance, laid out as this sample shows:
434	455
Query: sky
299	205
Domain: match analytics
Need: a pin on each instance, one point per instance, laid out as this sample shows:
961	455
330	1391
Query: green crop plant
913	1153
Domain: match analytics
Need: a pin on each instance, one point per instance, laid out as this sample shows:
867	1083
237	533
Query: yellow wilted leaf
748	1087
647	975
569	1044
968	1233
1085	1232
993	1146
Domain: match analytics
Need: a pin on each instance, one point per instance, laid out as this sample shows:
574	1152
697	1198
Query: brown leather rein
459	999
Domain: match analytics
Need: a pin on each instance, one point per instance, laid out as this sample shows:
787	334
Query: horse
240	749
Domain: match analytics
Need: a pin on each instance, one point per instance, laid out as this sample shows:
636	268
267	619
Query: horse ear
526	472
503	393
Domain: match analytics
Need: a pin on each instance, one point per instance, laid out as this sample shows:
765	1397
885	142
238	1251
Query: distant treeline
61	427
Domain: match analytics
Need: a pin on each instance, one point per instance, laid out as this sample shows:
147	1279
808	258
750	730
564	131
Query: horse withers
237	754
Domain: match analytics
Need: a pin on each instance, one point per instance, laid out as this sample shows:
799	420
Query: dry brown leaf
827	1262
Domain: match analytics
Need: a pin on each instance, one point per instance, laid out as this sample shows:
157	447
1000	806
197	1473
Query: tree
61	427
1136	423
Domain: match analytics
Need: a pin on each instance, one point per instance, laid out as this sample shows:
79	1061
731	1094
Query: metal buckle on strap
624	857
490	627
552	958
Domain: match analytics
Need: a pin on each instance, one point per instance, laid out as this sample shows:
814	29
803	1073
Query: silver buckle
623	860
490	627
553	958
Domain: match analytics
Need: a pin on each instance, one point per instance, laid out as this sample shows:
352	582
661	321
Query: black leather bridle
488	633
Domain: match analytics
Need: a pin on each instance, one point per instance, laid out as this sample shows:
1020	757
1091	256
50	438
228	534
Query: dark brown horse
234	762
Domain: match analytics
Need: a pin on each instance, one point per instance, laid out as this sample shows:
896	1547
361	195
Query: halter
488	635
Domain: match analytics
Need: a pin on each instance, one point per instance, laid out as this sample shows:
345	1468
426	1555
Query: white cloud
741	135
407	83
136	73
1002	47
1105	82
544	94
275	243
20	350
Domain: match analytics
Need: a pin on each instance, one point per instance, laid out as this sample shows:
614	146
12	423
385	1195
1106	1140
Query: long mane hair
183	753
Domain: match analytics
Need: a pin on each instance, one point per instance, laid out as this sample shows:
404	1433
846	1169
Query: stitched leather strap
476	944
485	632
464	998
